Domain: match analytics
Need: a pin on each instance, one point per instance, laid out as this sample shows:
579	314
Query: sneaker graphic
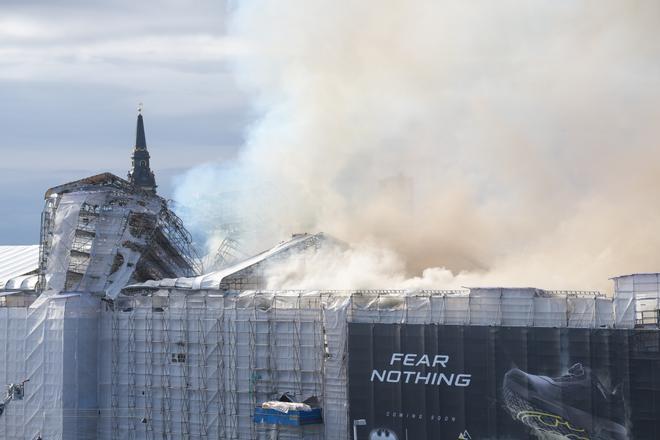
575	406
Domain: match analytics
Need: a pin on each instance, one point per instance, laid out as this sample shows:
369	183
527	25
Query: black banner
416	382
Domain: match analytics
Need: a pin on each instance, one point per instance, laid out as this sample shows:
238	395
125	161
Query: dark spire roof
140	174
140	138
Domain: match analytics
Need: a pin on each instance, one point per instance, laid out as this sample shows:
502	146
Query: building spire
140	174
140	138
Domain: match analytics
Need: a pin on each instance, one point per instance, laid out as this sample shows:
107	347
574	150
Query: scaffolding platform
291	418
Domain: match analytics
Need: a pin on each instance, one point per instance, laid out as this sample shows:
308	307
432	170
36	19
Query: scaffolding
100	235
228	253
181	363
196	364
45	239
172	228
81	245
46	343
644	291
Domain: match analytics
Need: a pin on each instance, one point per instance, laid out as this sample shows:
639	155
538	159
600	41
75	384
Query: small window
143	163
178	358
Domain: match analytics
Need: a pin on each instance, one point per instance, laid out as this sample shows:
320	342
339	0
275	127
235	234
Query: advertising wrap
417	382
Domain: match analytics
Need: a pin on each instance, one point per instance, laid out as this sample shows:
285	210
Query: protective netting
196	365
172	364
52	344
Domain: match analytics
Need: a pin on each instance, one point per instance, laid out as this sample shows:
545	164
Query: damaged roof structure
102	232
247	274
112	330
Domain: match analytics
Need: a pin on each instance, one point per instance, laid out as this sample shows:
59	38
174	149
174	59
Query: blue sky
71	75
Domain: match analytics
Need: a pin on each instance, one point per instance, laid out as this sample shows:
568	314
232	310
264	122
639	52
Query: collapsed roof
248	273
101	233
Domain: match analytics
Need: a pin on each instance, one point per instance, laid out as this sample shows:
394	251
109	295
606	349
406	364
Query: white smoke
509	142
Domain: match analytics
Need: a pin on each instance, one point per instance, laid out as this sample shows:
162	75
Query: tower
140	174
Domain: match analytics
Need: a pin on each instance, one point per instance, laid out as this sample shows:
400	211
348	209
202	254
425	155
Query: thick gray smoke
508	143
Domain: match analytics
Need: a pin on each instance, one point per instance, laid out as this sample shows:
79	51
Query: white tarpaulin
17	263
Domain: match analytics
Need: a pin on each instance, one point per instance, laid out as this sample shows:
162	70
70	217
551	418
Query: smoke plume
450	142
